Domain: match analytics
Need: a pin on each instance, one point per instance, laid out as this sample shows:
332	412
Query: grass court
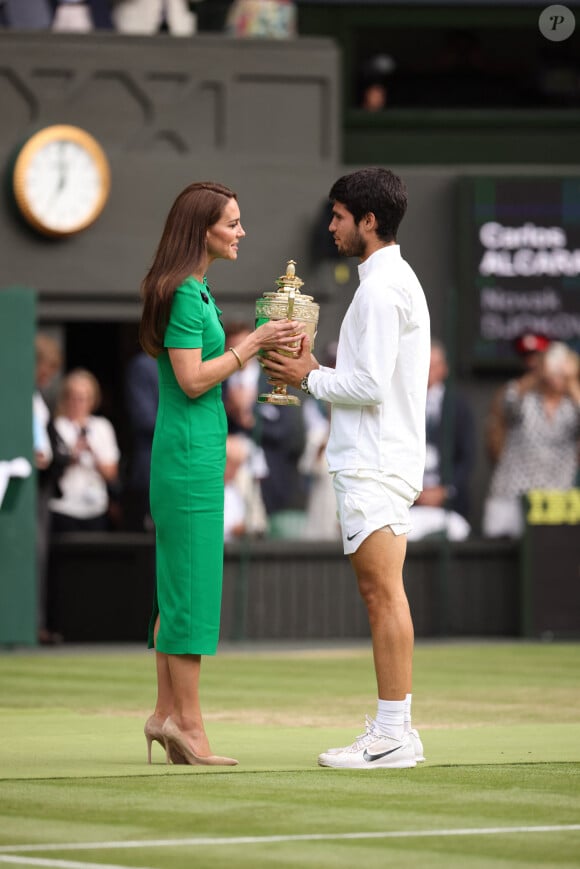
500	723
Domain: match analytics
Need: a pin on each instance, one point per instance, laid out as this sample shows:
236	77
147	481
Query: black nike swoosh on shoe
353	535
370	757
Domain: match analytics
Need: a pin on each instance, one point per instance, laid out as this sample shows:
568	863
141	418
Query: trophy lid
289	283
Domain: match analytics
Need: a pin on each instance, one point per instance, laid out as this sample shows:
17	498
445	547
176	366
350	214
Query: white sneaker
413	736
417	746
371	750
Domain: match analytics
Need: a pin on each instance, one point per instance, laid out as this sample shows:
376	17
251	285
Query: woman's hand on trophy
279	333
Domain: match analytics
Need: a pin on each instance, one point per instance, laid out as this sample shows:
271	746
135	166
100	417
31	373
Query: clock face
61	180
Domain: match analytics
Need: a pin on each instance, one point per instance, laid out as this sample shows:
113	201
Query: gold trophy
287	302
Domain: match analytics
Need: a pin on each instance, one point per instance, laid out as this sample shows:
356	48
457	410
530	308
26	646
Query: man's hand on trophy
282	369
278	333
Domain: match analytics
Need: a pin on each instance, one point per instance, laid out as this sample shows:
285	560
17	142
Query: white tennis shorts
369	500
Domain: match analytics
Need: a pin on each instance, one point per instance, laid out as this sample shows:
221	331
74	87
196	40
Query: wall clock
61	180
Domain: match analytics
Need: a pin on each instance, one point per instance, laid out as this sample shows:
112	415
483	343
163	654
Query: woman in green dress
181	327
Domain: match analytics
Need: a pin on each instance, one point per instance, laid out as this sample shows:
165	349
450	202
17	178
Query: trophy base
284	400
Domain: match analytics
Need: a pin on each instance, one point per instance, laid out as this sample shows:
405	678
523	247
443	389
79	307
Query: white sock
391	717
408	700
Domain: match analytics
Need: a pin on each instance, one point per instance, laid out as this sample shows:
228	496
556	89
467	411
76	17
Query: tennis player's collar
379	258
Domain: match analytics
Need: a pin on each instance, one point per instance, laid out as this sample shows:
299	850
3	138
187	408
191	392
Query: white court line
265	840
58	864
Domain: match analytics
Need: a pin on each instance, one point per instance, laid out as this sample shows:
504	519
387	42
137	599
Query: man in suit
142	397
443	505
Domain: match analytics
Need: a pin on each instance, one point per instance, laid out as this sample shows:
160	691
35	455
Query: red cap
530	343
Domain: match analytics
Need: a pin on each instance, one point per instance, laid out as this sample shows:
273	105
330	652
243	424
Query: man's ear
369	221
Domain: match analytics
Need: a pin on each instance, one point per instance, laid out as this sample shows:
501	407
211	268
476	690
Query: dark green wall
18	510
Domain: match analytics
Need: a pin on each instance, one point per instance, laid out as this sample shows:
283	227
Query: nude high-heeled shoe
154	733
175	740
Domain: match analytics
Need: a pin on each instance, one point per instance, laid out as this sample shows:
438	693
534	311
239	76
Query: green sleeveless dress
187	486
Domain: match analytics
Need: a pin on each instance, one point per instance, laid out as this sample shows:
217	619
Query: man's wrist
304	384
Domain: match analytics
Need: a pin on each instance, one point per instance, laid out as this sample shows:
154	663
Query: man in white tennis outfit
376	448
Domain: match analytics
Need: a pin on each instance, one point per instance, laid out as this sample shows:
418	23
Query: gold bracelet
237	355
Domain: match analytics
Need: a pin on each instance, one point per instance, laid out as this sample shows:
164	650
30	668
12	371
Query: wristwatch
304	385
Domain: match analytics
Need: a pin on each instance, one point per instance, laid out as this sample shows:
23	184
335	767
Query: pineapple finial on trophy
290	279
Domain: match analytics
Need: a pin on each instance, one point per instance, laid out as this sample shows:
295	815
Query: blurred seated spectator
281	432
244	512
542	412
81	16
142	398
145	17
240	390
530	348
50	460
443	505
274	19
26	14
374	97
373	87
48	364
83	504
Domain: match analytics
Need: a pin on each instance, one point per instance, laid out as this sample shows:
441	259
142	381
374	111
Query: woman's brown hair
180	251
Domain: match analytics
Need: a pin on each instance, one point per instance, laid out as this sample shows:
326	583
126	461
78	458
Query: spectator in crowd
143	17
373	88
281	432
140	17
542	413
374	97
529	348
244	511
443	505
142	398
48	454
234	506
48	365
275	19
81	16
240	391
26	14
240	394
83	504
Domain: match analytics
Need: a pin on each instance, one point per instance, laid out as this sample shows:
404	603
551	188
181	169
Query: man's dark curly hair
374	190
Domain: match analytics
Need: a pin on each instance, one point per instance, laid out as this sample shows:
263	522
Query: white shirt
434	405
432	475
379	386
84	491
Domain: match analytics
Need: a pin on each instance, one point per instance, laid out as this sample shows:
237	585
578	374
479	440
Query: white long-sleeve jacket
379	386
